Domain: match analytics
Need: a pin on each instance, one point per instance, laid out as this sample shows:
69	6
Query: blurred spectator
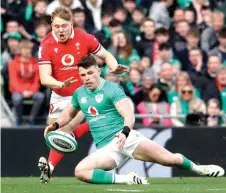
179	40
188	103
145	63
13	10
182	79
121	15
209	39
156	105
144	46
166	77
221	49
134	27
166	55
68	3
190	17
147	82
10	52
192	39
206	15
79	18
24	82
122	49
129	6
196	61
133	85
221	85
35	14
93	9
159	13
214	113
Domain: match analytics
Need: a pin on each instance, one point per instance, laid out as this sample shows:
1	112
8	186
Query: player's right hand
68	82
48	129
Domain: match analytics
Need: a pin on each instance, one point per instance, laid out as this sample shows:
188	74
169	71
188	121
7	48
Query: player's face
90	77
62	28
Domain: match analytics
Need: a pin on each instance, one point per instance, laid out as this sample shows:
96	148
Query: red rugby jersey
64	57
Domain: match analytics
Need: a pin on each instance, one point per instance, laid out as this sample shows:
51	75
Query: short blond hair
63	13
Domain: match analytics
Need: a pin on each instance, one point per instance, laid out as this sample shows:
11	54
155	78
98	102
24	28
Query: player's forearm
65	117
129	121
50	82
111	61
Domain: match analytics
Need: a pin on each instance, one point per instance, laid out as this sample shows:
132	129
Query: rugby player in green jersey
111	118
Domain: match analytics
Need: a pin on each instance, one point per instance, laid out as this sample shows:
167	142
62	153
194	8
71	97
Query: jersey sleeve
93	44
117	94
74	100
44	54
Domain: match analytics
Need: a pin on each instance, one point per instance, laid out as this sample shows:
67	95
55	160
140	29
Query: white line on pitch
216	189
124	190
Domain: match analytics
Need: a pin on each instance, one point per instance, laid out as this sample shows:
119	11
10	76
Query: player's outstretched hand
48	129
120	69
121	140
68	82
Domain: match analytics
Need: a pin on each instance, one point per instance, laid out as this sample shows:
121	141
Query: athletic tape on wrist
56	125
126	130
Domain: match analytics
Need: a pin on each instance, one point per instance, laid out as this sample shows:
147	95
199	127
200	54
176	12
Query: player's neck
100	83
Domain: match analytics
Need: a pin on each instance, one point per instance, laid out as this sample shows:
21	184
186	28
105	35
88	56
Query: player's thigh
96	160
150	151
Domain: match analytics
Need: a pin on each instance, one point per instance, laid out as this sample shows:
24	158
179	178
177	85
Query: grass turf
157	185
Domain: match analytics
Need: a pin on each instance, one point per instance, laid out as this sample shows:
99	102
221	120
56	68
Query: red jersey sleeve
44	54
93	44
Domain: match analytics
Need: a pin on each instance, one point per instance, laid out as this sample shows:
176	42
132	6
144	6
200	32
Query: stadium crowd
176	51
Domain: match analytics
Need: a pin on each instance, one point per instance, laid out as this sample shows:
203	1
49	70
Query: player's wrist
126	130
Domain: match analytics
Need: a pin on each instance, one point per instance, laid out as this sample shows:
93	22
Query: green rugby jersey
99	110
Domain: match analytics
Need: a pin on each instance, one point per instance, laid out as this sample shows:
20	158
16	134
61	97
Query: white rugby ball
61	142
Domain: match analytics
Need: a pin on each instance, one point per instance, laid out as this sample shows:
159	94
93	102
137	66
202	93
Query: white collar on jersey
72	35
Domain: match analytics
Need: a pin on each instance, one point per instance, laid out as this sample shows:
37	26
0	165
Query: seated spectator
134	83
188	103
68	3
120	14
144	44
156	105
182	79
192	39
122	49
145	63
79	18
166	55
221	85
209	40
24	82
129	6
166	77
190	17
206	15
133	28
221	49
214	113
159	13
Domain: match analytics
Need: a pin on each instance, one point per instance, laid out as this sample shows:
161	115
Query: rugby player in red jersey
59	54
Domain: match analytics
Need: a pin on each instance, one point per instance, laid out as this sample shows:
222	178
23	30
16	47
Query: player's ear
99	70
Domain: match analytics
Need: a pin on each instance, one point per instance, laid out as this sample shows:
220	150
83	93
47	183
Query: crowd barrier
21	149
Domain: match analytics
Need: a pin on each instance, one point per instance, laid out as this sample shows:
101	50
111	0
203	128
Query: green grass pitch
157	185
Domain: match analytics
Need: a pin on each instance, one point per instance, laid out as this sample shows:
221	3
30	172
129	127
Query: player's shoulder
112	86
48	40
80	90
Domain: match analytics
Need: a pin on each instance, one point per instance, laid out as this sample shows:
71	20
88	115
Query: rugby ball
61	142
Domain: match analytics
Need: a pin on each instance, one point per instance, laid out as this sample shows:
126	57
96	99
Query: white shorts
117	155
58	104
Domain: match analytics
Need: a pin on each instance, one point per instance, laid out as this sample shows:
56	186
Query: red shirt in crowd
64	56
23	76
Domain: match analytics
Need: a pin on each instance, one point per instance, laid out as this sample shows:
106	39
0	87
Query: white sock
51	167
122	179
195	168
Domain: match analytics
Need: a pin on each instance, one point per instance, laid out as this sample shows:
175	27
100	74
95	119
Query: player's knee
80	173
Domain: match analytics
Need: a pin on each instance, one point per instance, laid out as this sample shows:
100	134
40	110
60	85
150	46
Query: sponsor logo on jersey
99	98
93	111
84	100
67	60
56	49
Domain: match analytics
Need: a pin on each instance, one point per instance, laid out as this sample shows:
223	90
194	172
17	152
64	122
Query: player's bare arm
125	109
45	71
65	117
110	60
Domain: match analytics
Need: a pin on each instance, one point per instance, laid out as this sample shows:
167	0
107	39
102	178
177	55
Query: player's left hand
121	140
120	69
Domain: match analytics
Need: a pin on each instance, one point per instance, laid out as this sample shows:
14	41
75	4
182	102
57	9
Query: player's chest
68	54
95	104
